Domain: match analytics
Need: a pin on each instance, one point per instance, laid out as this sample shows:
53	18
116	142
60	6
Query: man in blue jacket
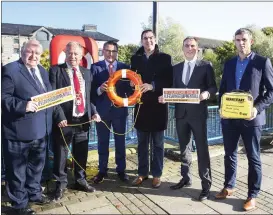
25	130
252	73
110	114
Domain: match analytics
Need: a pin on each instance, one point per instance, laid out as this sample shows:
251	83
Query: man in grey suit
193	74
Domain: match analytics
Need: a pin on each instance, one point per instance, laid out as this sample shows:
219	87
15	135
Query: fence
214	130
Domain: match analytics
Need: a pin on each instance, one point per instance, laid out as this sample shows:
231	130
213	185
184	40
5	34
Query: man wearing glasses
110	114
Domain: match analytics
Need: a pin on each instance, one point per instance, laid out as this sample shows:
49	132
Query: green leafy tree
225	52
268	31
263	44
211	56
45	62
125	52
170	37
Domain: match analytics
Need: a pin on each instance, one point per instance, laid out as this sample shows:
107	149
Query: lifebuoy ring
111	91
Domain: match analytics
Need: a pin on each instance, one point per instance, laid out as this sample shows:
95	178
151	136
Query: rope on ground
91	170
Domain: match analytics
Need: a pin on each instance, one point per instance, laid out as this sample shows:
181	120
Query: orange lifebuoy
111	91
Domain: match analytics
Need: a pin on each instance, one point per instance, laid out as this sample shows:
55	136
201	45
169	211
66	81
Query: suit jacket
18	86
202	78
59	78
157	70
100	74
257	77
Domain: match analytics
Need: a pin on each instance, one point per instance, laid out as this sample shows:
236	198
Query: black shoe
25	211
182	183
204	195
59	193
99	178
85	187
123	177
43	201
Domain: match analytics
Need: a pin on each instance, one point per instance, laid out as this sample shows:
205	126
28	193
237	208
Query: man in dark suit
155	68
78	111
193	74
252	73
110	114
25	130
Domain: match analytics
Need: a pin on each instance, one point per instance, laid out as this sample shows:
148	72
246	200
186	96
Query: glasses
146	38
110	51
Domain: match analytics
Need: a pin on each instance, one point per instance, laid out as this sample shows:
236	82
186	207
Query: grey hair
244	31
72	43
31	42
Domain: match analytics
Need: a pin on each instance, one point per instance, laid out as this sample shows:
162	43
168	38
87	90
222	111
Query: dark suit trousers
186	126
251	137
78	136
119	126
24	162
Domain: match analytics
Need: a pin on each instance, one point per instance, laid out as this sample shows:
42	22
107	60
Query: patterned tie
37	81
111	72
79	97
187	79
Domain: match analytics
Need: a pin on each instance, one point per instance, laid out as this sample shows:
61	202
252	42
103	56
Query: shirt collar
70	67
114	64
193	61
247	57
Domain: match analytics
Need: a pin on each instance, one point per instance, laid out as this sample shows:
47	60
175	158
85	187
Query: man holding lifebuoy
155	69
110	114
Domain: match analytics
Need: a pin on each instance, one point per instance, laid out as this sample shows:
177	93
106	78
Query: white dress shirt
185	69
115	65
70	72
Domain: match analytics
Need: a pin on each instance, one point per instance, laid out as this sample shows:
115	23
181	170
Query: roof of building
26	30
209	43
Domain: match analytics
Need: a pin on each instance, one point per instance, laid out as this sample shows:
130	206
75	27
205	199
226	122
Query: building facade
14	35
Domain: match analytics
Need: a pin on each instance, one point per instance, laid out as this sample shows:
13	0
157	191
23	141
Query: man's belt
236	105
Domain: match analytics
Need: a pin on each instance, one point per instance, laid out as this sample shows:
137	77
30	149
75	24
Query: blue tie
38	83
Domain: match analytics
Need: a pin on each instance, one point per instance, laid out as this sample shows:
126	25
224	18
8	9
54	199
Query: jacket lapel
65	74
181	69
43	75
232	71
27	75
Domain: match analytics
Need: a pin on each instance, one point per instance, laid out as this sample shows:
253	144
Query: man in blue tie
25	130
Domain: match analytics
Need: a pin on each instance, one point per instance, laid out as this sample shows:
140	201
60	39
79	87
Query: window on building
42	36
16	51
16	40
100	52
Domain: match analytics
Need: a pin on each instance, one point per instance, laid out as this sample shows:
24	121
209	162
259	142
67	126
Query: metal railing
214	130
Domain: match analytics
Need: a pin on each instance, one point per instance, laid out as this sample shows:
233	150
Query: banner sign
53	98
190	96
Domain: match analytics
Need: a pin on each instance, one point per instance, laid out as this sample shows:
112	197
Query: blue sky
122	20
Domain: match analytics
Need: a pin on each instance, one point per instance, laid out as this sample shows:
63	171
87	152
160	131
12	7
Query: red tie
111	72
79	98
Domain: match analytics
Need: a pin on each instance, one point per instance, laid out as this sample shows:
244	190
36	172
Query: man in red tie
110	114
77	111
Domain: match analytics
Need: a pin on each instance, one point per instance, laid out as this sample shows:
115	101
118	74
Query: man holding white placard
192	117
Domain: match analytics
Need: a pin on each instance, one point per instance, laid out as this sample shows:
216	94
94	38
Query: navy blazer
103	104
18	87
257	79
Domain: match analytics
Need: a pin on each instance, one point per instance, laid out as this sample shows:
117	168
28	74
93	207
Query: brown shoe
250	204
156	182
138	180
224	193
